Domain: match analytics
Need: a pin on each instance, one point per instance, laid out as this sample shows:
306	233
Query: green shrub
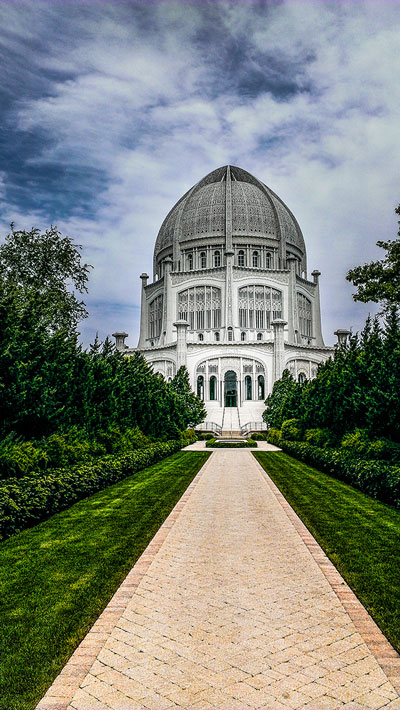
226	444
258	436
28	500
188	436
274	436
291	430
20	458
318	437
205	437
376	478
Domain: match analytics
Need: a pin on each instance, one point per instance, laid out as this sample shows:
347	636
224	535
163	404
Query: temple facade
230	297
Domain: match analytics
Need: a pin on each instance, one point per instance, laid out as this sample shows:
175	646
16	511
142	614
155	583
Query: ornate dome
256	211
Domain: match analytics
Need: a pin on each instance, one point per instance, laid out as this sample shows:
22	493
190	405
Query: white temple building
230	297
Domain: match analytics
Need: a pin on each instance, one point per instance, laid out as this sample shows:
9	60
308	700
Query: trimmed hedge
214	444
376	478
28	500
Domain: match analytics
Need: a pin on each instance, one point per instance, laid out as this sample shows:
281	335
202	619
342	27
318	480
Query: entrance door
230	383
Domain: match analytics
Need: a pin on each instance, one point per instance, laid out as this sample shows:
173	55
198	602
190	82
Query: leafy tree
195	411
379	281
283	403
45	268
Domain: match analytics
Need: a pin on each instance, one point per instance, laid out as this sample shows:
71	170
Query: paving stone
232	606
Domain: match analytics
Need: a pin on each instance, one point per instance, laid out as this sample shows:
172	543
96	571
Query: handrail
253	426
209	426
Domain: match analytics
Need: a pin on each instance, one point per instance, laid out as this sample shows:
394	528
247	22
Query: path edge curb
68	681
379	646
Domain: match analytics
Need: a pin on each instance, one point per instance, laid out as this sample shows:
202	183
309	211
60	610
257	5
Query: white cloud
153	113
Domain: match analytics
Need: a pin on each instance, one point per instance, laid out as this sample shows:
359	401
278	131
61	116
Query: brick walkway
232	606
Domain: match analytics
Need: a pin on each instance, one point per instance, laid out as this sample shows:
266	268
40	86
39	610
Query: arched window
255	258
201	337
216	336
258	306
248	386
190	262
261	387
213	388
201	307
243	336
217	258
240	257
203	260
259	336
200	386
230	333
305	315
301	378
155	317
268	260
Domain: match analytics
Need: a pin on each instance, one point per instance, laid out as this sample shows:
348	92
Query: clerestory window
201	307
258	306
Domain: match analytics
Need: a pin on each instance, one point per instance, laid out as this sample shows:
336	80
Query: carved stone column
181	342
317	329
279	348
166	328
143	313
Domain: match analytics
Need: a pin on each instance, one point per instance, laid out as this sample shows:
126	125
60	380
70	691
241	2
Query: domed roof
256	211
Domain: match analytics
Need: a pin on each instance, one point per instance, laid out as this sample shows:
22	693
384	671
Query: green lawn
360	535
57	577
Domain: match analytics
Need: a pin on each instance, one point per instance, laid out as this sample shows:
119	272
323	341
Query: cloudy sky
111	111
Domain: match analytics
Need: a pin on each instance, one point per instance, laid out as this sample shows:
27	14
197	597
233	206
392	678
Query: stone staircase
230	422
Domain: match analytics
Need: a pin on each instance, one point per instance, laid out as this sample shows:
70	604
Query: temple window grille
230	334
261	387
217	258
216	336
155	317
301	378
242	335
258	306
256	258
201	337
268	260
241	257
190	262
305	315
201	307
259	336
203	260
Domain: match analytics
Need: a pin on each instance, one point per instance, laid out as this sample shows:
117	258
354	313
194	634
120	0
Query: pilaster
166	328
181	342
279	348
317	311
143	312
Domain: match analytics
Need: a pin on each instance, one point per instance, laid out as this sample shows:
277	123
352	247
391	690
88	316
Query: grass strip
360	535
57	577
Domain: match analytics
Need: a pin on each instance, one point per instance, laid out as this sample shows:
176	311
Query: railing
253	426
209	426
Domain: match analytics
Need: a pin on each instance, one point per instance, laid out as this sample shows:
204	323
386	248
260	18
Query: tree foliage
379	281
357	388
48	382
44	272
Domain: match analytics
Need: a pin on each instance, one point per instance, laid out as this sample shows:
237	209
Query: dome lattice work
256	213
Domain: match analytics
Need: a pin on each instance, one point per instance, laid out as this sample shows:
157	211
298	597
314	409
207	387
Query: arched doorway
230	383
